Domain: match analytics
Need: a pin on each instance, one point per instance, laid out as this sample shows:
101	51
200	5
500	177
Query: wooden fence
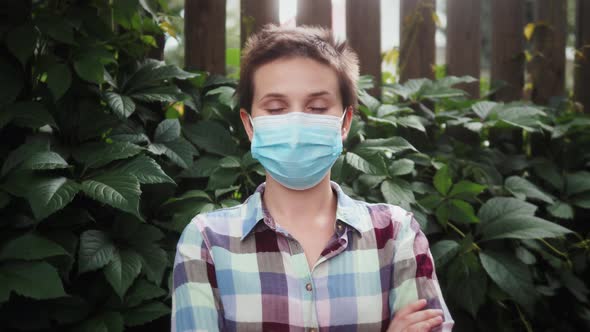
205	39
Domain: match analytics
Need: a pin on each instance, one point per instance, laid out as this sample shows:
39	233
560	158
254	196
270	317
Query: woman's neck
288	206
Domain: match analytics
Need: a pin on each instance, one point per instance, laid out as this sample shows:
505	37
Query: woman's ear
245	117
347	122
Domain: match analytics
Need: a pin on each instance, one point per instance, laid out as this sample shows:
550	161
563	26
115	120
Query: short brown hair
274	42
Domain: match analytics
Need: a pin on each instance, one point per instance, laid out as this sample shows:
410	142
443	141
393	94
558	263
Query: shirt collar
253	211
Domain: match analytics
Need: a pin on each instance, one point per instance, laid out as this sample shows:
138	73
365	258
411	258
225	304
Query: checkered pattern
238	270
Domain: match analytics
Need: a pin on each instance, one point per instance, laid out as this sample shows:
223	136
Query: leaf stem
560	253
523	319
462	234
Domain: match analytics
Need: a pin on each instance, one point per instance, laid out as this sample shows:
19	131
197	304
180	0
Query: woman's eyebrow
280	95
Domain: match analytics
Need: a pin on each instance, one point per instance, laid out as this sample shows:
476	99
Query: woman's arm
414	276
195	297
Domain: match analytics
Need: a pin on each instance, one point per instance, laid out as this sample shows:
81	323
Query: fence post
464	41
548	64
417	48
582	68
314	12
204	26
508	48
254	14
508	62
363	16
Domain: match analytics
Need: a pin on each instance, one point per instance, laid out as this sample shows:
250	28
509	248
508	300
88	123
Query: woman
299	254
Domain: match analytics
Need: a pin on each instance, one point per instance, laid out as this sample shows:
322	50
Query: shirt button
308	287
340	227
312	330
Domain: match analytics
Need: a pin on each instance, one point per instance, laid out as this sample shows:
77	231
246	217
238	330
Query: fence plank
582	68
417	48
464	41
204	26
548	65
508	48
362	17
314	12
255	14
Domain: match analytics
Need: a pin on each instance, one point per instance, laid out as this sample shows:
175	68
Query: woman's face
295	85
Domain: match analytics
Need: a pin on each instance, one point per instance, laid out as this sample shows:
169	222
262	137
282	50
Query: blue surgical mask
297	149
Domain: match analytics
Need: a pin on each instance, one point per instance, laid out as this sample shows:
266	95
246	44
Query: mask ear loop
342	119
251	122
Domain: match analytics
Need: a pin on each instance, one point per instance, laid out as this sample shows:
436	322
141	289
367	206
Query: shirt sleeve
196	305
414	274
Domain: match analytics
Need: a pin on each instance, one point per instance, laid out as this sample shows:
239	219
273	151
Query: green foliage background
107	155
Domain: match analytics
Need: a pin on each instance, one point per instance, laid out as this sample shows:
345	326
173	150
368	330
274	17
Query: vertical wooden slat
582	68
255	14
314	12
548	67
417	48
464	41
363	32
508	47
204	27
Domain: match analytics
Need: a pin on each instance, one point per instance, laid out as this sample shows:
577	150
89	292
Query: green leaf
393	144
123	106
411	121
21	41
442	180
152	72
145	169
96	250
167	130
466	189
582	200
211	137
141	291
191	194
512	276
483	108
154	261
37	280
561	210
59	79
520	227
443	251
145	313
462	212
45	160
577	182
398	192
180	151
122	270
48	195
120	191
30	246
222	178
165	94
361	164
30	114
90	69
501	207
549	172
522	188
401	167
371	102
98	154
230	162
503	217
467	283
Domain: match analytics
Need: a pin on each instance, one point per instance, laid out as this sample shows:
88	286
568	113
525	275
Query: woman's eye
274	110
318	109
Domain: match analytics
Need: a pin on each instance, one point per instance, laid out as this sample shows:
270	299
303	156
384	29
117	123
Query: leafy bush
107	155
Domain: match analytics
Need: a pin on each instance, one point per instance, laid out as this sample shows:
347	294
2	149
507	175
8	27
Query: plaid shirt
238	270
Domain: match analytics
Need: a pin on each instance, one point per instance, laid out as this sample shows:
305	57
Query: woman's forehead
295	77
